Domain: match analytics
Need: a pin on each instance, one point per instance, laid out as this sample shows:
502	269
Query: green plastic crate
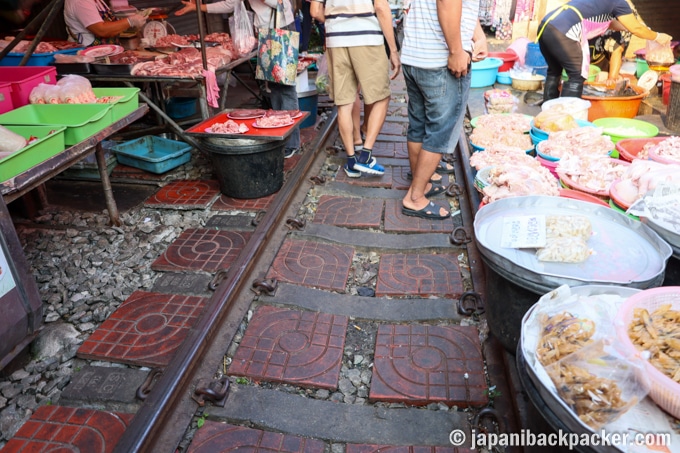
123	107
48	145
81	120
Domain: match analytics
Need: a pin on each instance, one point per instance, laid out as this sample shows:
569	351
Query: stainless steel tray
671	237
627	252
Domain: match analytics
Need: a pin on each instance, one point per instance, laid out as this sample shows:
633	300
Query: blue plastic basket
484	72
153	154
37	59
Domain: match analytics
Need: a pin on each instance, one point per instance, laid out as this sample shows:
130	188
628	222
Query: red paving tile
421	364
396	222
313	264
291	162
214	437
68	429
349	212
357	448
297	347
202	249
145	330
390	149
419	275
187	194
366	180
225	203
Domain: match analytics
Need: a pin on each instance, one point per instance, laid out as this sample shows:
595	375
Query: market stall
41	172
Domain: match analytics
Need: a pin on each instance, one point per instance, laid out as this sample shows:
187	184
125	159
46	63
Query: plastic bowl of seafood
616	197
603	194
660	156
630	148
543	135
482	178
641	323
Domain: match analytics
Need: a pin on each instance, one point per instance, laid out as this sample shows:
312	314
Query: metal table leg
106	184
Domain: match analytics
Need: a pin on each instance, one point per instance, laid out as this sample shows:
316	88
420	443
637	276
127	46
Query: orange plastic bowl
582	196
629	148
615	106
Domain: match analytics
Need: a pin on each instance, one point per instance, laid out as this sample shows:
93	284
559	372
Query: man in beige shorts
355	34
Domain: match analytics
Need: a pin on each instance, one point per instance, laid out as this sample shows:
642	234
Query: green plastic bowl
620	128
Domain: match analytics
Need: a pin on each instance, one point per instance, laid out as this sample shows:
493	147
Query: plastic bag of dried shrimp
599	383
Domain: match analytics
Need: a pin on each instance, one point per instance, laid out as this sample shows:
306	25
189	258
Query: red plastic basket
629	148
24	78
664	391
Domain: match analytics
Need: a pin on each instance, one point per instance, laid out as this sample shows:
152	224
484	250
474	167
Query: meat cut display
228	127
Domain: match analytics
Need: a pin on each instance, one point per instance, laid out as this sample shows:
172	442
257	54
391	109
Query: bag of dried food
659	56
599	383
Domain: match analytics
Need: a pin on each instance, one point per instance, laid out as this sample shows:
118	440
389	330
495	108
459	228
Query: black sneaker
290	152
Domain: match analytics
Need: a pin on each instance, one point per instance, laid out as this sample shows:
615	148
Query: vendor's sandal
409	176
431	211
436	189
443	167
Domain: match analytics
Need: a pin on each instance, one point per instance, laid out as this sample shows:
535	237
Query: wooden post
673	112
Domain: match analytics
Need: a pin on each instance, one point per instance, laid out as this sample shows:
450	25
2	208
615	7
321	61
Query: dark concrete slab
370	240
104	388
231	222
88	196
370	308
334	422
189	284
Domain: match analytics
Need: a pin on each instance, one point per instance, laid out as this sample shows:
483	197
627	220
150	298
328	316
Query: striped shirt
351	23
424	45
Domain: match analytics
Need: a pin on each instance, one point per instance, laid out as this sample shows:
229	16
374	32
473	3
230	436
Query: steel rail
148	426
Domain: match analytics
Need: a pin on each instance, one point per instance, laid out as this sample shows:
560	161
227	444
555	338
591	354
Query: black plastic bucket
505	305
247	168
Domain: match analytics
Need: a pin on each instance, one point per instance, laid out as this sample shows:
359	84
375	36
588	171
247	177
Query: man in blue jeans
440	39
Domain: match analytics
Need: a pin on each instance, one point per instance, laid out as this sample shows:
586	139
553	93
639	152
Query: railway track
201	401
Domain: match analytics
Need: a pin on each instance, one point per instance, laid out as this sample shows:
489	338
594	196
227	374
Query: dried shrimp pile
595	173
580	141
658	333
562	334
596	400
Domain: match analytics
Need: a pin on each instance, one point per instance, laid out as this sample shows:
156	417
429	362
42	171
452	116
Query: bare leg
375	121
356	120
367	113
413	153
346	128
425	166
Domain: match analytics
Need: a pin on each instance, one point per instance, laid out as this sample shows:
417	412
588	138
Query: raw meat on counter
172	41
485	137
274	121
229	127
187	63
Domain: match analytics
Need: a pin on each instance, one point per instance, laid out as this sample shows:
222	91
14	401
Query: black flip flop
442	168
436	189
409	176
431	211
